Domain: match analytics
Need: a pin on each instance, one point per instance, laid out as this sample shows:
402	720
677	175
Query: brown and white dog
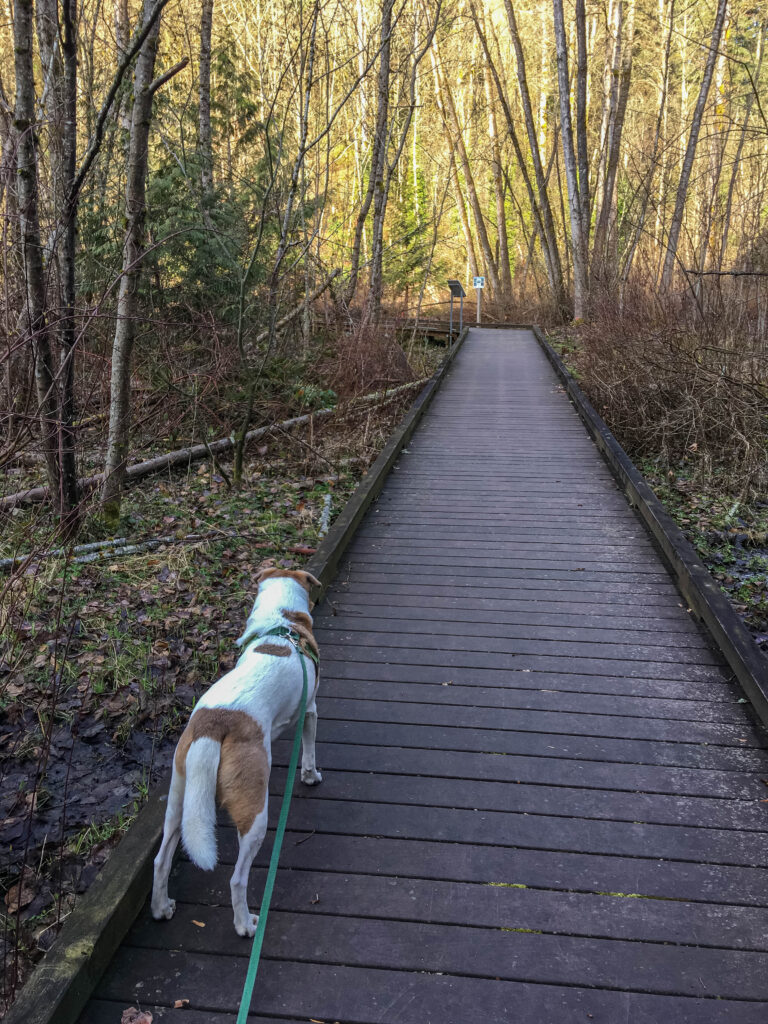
225	753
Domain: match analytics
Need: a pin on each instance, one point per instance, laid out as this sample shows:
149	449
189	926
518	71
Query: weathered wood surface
543	797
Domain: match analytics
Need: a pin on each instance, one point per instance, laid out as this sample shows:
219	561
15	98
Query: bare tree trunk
66	259
379	168
127	303
482	233
577	216
581	115
548	233
461	207
505	273
604	255
690	152
14	353
204	109
610	87
35	317
381	196
378	149
740	147
660	120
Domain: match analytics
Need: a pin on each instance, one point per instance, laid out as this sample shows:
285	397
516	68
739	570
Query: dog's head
302	577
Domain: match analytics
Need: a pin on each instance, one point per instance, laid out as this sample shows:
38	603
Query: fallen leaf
200	924
134	1016
181	1004
18	896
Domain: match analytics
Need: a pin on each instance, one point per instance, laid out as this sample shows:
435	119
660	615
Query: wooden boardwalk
543	800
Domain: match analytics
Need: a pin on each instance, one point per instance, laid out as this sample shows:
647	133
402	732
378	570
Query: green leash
258	938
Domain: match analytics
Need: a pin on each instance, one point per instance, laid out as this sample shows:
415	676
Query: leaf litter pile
101	661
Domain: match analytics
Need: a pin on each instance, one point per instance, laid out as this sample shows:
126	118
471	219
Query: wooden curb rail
696	584
65	979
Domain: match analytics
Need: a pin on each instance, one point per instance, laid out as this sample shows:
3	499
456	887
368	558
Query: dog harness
304	652
287	633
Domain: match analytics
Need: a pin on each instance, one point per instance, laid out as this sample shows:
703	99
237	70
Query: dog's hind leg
250	844
162	906
310	776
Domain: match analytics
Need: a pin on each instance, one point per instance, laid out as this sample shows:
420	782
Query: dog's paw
164	911
247	928
311	776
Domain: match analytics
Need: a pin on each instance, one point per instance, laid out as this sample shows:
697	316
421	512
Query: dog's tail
198	818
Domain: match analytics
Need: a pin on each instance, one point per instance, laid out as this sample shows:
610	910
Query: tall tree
604	254
379	143
481	229
35	313
577	215
690	150
133	251
548	233
204	104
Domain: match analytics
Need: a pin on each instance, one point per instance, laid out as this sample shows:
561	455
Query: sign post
478	283
456	292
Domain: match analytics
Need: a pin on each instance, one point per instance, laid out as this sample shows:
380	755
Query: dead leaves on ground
134	1016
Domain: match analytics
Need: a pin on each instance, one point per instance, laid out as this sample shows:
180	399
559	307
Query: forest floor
102	661
726	523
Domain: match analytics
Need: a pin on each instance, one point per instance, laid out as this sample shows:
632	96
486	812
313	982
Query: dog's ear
313	580
263	573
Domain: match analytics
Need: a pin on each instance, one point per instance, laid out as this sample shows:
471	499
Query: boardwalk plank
344	993
478	685
455	627
530	832
535	658
519	798
500	906
429	608
480	952
540	721
736	758
542	770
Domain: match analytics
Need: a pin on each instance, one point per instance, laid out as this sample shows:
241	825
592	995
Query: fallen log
196	452
104	551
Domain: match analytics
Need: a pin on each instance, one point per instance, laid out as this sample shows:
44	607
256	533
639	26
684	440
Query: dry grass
679	384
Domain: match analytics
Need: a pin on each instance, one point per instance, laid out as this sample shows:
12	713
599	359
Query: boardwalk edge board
65	979
696	584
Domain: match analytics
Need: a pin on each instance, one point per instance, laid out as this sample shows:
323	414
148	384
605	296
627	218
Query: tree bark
204	109
378	148
581	115
577	216
127	303
474	202
660	120
35	318
66	259
742	139
548	233
378	169
690	151
381	196
505	272
604	254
